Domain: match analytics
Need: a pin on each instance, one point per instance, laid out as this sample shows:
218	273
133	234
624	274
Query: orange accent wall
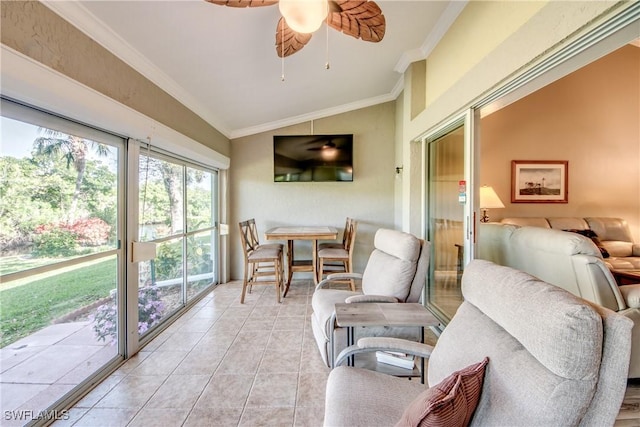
590	118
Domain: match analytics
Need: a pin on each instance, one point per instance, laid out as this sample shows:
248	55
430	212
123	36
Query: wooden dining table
290	234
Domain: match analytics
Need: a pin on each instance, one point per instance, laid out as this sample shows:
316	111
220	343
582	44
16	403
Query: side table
626	277
351	316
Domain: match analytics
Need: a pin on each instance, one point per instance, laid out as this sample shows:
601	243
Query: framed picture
539	181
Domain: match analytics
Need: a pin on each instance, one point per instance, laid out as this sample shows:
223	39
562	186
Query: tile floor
221	364
227	364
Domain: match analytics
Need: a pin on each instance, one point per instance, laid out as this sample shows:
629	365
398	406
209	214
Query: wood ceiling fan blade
243	3
357	18
288	41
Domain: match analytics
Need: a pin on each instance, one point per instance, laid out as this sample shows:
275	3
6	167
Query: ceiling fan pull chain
327	65
282	48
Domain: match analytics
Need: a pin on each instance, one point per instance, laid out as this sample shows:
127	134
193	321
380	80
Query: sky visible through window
17	139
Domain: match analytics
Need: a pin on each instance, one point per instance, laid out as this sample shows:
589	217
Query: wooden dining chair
263	264
326	245
339	259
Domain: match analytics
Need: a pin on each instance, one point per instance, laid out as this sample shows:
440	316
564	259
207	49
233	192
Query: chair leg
244	282
278	278
321	270
352	282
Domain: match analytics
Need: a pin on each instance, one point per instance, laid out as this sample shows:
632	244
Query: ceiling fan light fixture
304	16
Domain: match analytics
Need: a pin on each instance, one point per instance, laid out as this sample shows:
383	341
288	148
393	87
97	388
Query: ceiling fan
361	19
330	145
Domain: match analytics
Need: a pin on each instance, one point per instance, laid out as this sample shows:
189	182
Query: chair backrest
554	358
349	236
249	235
345	234
568	260
398	258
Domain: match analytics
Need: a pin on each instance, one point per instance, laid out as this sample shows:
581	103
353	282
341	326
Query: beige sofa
568	260
612	233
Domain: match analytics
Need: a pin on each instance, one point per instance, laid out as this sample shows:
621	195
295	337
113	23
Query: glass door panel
200	265
177	211
60	258
445	220
201	233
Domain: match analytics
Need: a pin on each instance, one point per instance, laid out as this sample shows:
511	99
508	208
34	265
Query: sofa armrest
370	298
338	276
370	344
631	295
635	249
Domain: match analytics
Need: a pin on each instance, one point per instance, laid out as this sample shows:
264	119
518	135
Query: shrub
54	242
150	309
91	231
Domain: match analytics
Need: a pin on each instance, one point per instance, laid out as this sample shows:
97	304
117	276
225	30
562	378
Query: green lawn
11	264
26	309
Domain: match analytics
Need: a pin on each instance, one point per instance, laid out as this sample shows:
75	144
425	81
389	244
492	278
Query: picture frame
539	181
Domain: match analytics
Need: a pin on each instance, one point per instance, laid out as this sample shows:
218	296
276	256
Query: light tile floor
228	364
221	364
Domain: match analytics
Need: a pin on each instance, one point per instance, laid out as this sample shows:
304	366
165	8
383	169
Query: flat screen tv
312	158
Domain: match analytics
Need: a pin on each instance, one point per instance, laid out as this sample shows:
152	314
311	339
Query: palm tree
74	150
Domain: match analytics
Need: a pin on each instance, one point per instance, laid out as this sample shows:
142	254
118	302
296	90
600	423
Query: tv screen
312	158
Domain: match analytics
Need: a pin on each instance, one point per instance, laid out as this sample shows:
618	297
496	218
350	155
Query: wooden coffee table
626	277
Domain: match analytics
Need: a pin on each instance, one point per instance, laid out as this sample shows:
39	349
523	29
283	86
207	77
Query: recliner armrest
635	249
631	295
370	298
369	344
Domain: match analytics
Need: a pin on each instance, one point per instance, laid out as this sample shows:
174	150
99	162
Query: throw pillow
594	237
449	403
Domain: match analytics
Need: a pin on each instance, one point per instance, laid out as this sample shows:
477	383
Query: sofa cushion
610	229
449	403
562	223
527	222
618	248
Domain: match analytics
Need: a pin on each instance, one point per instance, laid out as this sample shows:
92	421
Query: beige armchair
566	368
395	272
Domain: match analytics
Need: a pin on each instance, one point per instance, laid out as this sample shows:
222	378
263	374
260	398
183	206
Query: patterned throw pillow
449	403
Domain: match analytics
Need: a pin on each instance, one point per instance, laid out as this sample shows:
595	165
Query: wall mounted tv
312	158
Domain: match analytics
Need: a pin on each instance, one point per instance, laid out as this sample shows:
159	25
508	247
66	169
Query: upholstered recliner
554	359
395	272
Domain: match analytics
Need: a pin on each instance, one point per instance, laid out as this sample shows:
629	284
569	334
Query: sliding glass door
61	258
177	212
448	209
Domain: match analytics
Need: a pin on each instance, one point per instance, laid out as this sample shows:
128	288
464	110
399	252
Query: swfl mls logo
30	415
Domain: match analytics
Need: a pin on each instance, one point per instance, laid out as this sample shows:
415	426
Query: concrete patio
37	370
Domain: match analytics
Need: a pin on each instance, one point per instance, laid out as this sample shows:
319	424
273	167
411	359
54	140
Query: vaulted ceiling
221	62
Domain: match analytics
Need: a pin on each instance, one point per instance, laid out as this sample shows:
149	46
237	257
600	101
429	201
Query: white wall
369	198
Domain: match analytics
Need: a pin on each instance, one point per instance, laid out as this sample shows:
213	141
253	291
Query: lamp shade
304	16
489	199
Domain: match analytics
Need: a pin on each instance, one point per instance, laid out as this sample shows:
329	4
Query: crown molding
77	15
446	20
30	82
80	17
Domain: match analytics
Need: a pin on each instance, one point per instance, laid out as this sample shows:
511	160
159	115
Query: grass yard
28	308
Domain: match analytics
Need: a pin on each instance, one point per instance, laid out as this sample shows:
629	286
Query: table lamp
488	200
